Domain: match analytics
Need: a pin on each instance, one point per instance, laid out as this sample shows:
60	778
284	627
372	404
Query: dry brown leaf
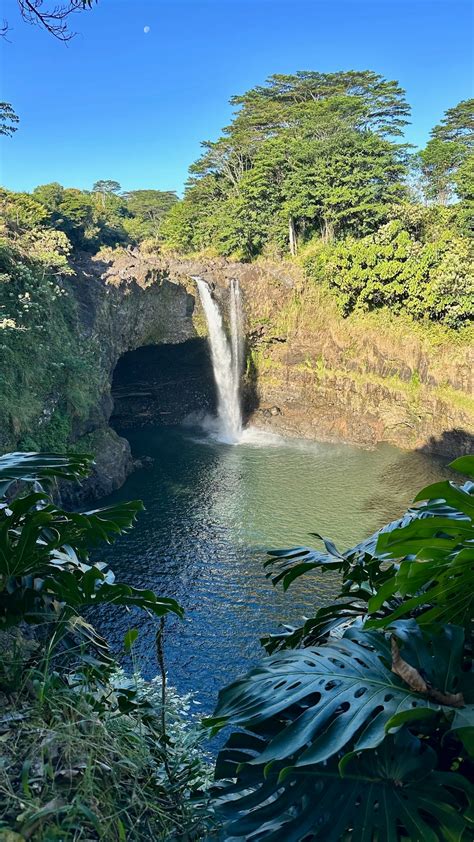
412	677
407	673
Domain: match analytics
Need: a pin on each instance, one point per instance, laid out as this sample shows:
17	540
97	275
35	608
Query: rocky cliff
122	304
364	379
310	373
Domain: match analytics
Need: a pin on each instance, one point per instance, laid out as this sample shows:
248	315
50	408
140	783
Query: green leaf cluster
359	725
431	280
46	576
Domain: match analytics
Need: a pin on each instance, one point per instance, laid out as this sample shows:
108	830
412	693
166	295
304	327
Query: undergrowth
68	774
49	377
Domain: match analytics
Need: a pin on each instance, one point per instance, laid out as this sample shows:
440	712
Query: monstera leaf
330	619
339	697
392	793
422	562
45	572
37	467
436	575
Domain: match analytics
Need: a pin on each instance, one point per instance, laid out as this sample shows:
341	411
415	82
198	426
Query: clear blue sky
119	103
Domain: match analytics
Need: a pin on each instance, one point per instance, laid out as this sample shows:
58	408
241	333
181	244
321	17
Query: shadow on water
450	444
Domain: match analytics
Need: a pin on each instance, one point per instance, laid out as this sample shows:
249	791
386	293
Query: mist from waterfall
227	359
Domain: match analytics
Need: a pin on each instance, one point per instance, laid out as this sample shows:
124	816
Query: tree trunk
328	231
292	236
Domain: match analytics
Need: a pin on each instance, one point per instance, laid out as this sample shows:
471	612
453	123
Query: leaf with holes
333	698
389	794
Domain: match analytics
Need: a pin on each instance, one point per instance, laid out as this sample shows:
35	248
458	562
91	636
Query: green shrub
432	280
70	772
49	376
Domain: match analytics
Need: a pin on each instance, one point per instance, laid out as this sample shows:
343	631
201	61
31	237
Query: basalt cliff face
309	372
122	304
366	379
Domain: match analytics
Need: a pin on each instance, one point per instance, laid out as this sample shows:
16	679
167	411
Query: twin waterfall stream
227	359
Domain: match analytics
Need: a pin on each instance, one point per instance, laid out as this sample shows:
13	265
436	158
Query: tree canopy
8	119
450	146
305	153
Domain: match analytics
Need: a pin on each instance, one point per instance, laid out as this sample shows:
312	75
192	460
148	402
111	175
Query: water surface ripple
212	510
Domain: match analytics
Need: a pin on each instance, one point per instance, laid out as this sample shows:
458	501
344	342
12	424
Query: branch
54	19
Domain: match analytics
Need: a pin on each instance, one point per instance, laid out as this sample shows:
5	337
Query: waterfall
236	335
227	359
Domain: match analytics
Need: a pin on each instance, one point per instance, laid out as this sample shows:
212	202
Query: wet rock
112	464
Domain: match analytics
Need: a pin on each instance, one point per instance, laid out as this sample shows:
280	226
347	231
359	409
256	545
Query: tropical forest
237	421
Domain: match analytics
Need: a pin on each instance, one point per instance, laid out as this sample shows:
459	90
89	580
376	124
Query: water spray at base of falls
227	359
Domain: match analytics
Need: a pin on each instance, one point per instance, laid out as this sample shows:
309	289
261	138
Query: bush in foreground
85	752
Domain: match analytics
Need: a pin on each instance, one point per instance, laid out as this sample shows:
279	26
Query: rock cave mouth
162	384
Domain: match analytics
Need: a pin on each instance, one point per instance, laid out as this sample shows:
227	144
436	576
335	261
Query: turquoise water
212	510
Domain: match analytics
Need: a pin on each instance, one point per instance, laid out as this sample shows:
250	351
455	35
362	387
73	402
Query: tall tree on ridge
106	187
318	148
451	143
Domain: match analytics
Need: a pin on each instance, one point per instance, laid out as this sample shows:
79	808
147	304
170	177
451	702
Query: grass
72	769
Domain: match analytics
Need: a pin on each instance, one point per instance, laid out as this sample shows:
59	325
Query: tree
8	119
75	216
148	207
439	162
464	180
106	188
457	124
304	153
50	195
452	141
21	212
379	103
344	183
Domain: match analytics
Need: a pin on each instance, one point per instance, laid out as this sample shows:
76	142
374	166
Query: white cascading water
236	334
227	359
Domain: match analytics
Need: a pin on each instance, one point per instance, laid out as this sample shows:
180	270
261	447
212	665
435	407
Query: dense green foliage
42	356
49	380
101	217
313	162
305	154
92	754
446	155
359	725
429	280
88	219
